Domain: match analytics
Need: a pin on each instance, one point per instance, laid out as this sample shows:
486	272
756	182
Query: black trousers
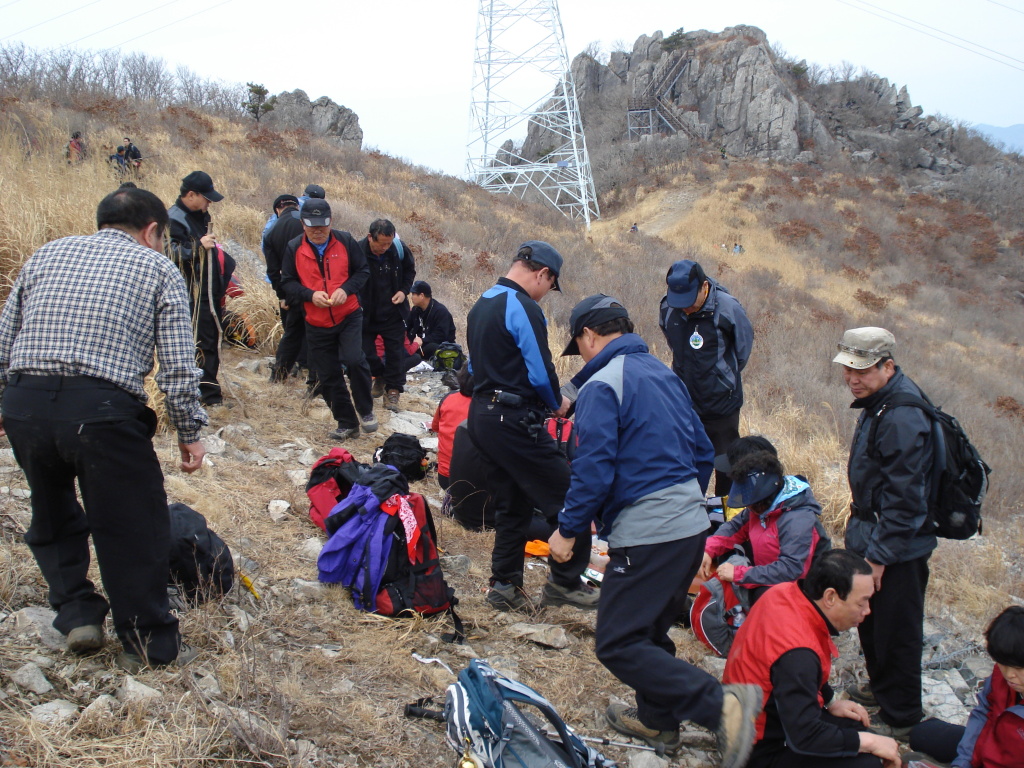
207	349
892	638
722	432
68	428
937	738
392	330
642	595
523	470
780	756
334	352
291	348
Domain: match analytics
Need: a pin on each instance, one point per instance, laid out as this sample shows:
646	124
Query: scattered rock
255	731
307	590
308	459
304	753
343	686
298	477
242	619
253	366
99	713
21	493
548	635
272	454
397	424
54	712
134	692
209	685
278	509
38	623
30	677
457	565
310	549
506	665
429	443
644	759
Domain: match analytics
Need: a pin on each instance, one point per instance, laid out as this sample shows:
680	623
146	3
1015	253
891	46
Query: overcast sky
405	66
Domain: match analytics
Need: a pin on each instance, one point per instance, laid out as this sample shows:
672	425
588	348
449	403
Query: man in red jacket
323	269
785	646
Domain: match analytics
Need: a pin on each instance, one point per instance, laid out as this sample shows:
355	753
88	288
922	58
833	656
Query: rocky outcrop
321	117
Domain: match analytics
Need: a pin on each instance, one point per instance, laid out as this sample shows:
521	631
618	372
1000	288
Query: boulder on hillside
321	117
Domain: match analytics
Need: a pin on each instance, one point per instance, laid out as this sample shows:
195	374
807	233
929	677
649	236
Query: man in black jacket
383	299
890	472
430	320
191	245
292	347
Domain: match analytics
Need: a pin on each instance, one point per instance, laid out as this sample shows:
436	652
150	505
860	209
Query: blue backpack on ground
504	724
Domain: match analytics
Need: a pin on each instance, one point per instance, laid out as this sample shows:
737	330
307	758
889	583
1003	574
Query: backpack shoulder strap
897	400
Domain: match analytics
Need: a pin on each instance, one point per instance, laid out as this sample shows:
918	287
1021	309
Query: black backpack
959	475
404	453
200	562
448	357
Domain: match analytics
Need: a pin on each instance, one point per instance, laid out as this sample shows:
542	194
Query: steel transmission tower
523	85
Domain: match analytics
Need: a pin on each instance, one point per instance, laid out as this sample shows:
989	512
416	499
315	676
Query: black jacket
131	152
891	481
185	230
285	229
434	324
389	274
710	348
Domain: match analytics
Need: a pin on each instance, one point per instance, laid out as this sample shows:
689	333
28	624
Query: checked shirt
98	305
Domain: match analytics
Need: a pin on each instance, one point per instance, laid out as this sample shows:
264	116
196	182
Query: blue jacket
638	434
710	348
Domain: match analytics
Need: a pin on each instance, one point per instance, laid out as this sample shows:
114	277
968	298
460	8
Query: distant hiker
994	735
634	229
383	298
132	154
514	387
323	271
722	152
737	248
291	349
645	489
430	322
75	151
77	339
711	339
191	245
890	472
118	161
785	646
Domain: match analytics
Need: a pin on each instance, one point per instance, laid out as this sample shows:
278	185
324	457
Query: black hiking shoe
133	663
85	639
583	596
626	721
862	694
508	597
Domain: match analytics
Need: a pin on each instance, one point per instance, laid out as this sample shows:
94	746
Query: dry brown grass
339	678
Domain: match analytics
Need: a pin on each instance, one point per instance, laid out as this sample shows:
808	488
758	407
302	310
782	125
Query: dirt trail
672	205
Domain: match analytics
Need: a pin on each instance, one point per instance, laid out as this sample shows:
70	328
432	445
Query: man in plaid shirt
77	337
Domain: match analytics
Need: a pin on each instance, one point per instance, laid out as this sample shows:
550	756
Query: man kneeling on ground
785	646
641	470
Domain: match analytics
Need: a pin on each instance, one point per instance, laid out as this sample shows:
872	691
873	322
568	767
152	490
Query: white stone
214	445
271	454
242	619
645	759
134	692
100	711
398	424
30	677
548	635
278	509
308	458
54	712
307	590
37	622
253	366
298	477
429	443
209	685
21	493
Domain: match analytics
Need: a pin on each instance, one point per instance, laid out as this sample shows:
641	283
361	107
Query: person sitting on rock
994	734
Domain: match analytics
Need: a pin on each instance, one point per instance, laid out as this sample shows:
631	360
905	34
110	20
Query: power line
936	37
1008	7
53	18
941	31
165	26
118	24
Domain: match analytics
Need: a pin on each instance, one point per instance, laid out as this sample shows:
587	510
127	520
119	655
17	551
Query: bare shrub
872	301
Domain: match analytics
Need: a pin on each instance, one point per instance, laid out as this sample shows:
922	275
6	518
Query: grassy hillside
822	253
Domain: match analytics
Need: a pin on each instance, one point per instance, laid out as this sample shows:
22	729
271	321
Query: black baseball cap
201	183
422	287
589	313
315	190
685	279
544	253
315	213
740	447
282	199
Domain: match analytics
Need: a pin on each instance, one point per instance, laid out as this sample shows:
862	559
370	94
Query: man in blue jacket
641	470
711	338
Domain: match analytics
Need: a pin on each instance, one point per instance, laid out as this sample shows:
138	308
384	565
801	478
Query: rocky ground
289	673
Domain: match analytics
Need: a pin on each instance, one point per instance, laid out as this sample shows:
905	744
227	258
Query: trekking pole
418	710
658	750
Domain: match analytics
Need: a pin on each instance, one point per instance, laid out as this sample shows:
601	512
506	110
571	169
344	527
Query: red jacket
451	411
303	273
1000	743
783	619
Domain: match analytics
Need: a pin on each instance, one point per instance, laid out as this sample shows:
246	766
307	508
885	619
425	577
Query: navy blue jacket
637	434
507	335
891	482
435	323
710	348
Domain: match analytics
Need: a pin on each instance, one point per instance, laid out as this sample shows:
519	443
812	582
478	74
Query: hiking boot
923	759
368	422
278	375
391	399
581	596
449	380
862	694
626	721
343	433
508	597
85	639
133	663
741	704
898	732
377	390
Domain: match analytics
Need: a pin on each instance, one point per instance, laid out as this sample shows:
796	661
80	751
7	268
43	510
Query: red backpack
330	481
717	613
